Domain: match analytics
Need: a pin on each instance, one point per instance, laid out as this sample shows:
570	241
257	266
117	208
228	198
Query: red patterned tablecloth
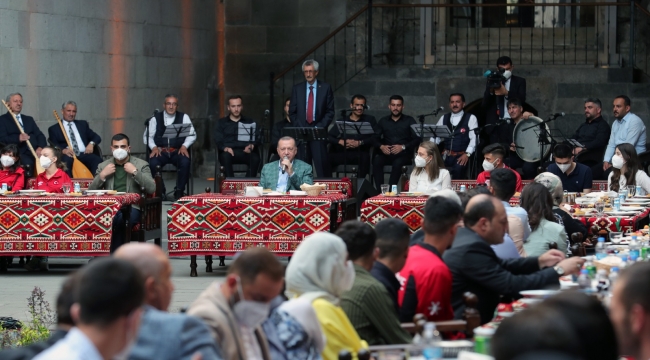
616	224
216	224
59	225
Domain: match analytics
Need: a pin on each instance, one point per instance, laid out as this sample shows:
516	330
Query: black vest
460	133
158	138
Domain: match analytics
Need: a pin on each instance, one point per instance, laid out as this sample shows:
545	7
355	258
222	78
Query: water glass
631	191
615	237
600	206
66	188
384	189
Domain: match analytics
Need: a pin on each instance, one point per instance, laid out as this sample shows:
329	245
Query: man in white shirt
173	149
461	126
107	310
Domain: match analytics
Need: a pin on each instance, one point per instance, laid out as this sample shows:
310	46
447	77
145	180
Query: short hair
504	60
504	183
462	97
120	137
465	198
358	96
481	209
309	62
233	97
8	98
495	149
171	95
254	261
396	97
515	101
562	151
595	101
392	237
635	286
65	299
625	98
108	289
69	102
359	238
440	215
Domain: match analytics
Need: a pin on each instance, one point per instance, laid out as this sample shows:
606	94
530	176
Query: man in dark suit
10	133
476	268
82	139
495	100
312	105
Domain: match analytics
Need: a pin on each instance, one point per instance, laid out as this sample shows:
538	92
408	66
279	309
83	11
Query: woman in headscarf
320	272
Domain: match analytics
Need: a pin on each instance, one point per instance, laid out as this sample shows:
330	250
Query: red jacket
485	175
53	184
15	179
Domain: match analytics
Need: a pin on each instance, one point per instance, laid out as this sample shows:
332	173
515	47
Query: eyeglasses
171	104
309	71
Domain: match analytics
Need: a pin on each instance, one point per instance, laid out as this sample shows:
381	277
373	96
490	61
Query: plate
538	294
415	193
297	193
31	191
620	213
96	192
632	201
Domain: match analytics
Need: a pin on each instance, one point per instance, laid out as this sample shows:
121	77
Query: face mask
45	161
120	154
7	160
420	161
507	74
348	277
617	161
488	166
250	313
563	167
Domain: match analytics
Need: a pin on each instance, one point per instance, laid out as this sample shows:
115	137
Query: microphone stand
344	116
421	120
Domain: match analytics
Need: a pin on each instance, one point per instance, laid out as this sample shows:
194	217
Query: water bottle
617	204
613	276
601	251
602	282
635	249
463	188
431	342
624	263
77	187
590	267
584	282
638	191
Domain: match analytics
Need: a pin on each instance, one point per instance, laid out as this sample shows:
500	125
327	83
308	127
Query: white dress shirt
20	120
455	119
168	119
641	179
74	346
81	147
421	182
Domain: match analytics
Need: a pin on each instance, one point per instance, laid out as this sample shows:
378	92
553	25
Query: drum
527	141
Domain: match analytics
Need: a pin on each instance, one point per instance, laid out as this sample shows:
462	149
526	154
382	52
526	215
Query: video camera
497	78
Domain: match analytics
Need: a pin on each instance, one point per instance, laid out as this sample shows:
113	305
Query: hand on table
550	258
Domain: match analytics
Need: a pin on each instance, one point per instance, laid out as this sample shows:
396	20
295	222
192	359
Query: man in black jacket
476	268
594	135
231	150
393	244
10	134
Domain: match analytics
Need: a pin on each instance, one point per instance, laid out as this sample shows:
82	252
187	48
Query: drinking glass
384	189
66	188
631	191
600	206
615	237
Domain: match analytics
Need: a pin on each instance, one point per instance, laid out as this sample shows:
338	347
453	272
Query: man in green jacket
127	174
287	173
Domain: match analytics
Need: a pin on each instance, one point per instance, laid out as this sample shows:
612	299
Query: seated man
627	128
426	279
575	177
476	268
393	244
123	173
517	114
231	150
368	304
502	186
493	155
10	134
288	173
174	150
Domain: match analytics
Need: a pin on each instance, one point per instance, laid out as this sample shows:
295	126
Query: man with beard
628	128
593	134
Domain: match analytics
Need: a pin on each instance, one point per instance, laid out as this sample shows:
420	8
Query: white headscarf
553	184
317	268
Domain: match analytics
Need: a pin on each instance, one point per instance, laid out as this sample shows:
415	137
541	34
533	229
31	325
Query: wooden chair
150	225
471	320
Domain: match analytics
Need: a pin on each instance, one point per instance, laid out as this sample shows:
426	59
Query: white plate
599	194
538	294
120	193
97	192
636	201
273	193
620	213
32	191
297	193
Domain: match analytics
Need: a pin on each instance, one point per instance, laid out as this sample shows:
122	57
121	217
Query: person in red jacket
493	159
426	280
54	176
11	174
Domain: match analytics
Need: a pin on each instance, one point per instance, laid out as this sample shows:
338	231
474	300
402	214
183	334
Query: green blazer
302	174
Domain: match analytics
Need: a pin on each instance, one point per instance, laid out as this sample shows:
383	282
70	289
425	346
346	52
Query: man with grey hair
312	105
10	133
288	173
82	139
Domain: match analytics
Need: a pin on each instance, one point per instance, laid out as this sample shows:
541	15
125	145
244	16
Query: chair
150	225
591	157
236	168
471	320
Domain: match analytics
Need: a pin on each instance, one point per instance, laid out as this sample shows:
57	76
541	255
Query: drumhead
528	140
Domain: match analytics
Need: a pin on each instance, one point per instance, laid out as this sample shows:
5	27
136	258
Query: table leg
208	263
4	263
193	272
21	262
221	261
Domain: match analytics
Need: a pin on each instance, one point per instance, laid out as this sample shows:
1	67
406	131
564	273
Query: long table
222	225
59	225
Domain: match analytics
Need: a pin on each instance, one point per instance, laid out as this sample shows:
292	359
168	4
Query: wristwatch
558	270
92	143
468	154
403	147
135	172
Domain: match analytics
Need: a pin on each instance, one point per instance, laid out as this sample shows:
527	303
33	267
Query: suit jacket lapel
273	176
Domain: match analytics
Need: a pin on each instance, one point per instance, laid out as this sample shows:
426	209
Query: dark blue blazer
324	103
87	135
10	134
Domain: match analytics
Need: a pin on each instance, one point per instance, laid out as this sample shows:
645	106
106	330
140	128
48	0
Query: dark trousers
119	228
90	160
529	168
181	162
360	158
396	161
316	151
252	160
456	170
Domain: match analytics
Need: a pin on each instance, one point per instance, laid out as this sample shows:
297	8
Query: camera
497	78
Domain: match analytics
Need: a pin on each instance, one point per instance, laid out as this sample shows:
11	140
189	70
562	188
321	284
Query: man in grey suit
182	336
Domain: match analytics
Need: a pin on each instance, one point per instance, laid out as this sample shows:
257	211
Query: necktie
20	120
310	105
73	140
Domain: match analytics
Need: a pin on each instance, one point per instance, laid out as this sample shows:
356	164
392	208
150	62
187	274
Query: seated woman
626	170
320	272
537	201
12	173
54	176
554	184
429	174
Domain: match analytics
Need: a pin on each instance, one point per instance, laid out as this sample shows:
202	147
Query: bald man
476	268
183	336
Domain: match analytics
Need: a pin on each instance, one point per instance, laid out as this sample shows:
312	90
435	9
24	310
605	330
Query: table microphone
284	167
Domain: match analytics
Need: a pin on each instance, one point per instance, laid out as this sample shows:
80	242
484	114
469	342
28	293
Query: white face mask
563	167
617	161
420	161
7	160
348	278
45	161
120	154
507	74
488	166
250	313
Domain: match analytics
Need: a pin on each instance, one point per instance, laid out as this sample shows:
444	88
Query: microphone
366	107
155	112
267	112
146	122
284	167
558	114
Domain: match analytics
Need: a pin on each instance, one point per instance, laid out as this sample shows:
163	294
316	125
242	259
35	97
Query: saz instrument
79	170
37	164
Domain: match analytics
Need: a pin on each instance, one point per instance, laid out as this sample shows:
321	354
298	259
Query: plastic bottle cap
624	257
601	239
614	269
584	271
